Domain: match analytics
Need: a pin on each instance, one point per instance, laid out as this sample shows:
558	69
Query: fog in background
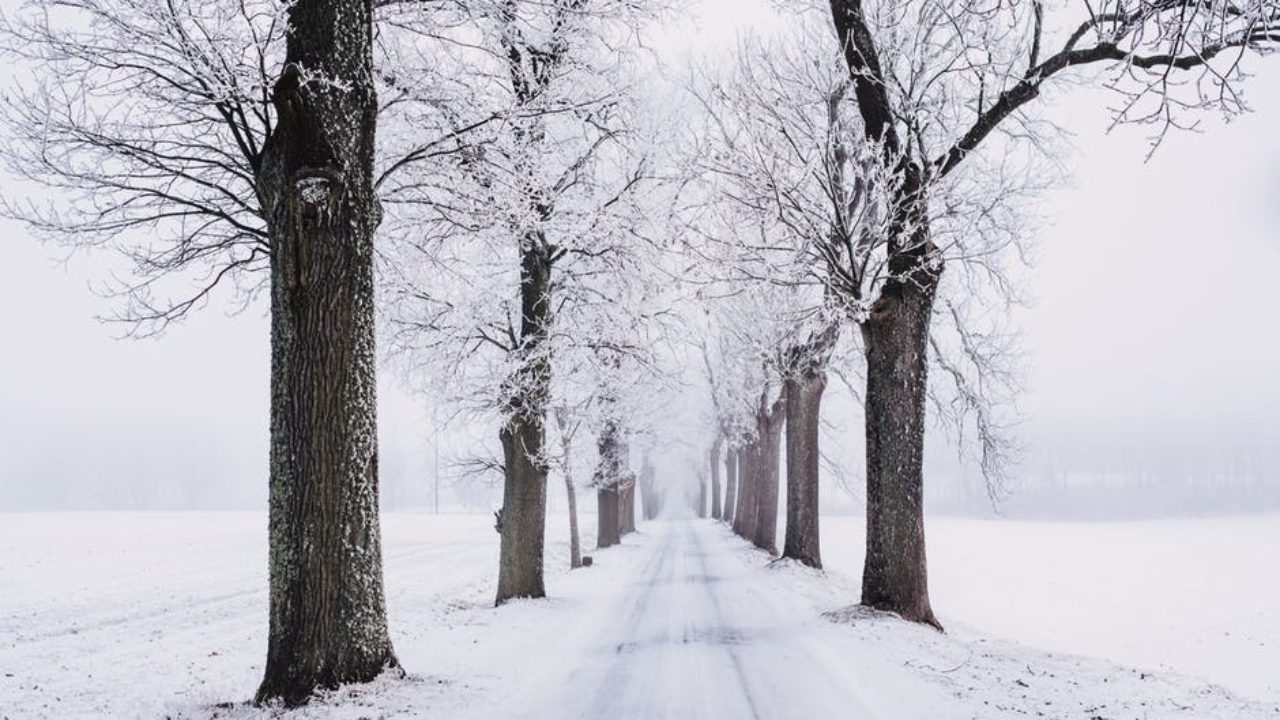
1152	353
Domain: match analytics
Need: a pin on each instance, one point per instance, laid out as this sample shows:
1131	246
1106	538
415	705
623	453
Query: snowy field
164	615
1198	597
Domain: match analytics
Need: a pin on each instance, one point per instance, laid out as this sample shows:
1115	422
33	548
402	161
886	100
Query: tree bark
627	506
702	496
730	485
896	336
327	608
608	526
804	405
748	480
609	481
716	511
765	535
524	510
895	573
567	433
651	503
575	545
524	492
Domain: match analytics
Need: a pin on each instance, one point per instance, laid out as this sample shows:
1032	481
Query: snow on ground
1199	597
164	615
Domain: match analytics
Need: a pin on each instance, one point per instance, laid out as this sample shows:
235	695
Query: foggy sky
1154	327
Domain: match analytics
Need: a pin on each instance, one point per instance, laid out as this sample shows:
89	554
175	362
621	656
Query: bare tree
933	83
502	257
568	429
235	142
316	186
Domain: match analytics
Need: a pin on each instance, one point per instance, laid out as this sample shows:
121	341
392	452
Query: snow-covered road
690	635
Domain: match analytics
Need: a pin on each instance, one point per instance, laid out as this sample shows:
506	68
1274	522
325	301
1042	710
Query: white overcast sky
1155	323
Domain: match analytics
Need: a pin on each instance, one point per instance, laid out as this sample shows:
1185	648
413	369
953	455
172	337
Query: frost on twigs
138	127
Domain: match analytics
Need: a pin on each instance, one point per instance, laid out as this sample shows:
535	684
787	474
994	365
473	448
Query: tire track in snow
695	636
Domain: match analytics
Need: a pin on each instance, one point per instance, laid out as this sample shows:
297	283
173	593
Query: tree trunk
524	492
524	511
327	609
571	492
608	527
627	506
765	535
652	501
748	481
730	485
804	405
715	478
896	336
702	496
646	492
575	545
744	473
608	481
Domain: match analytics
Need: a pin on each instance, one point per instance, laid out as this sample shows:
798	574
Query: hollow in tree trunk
327	609
804	403
896	336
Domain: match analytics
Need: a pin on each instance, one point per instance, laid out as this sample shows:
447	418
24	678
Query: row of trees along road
526	264
844	168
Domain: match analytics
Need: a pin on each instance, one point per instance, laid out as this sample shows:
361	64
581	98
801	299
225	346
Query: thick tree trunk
575	545
748	482
765	535
609	483
524	511
896	336
627	506
730	485
744	473
715	478
524	493
804	405
608	524
327	609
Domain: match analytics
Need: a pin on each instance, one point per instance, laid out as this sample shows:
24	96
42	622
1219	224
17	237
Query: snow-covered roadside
993	679
1196	597
164	616
150	615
